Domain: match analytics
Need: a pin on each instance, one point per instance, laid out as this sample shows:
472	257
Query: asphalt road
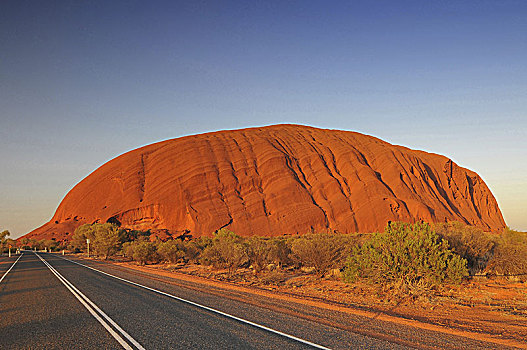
37	311
47	302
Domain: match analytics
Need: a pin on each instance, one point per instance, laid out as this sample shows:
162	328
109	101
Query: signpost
88	243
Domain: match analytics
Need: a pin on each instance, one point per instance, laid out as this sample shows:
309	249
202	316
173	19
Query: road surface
48	302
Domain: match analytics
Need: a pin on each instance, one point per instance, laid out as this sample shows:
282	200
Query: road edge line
81	298
256	325
5	274
102	313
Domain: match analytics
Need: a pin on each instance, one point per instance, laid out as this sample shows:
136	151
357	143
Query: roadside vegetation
50	245
488	254
446	273
404	260
5	242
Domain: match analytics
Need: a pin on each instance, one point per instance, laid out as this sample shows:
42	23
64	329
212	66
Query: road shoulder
277	299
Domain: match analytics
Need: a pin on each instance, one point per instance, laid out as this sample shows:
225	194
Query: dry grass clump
321	252
510	255
503	254
470	242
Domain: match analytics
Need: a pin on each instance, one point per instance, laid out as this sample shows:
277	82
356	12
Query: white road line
92	308
5	274
112	322
300	340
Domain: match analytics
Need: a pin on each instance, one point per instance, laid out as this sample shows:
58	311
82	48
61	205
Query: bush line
405	258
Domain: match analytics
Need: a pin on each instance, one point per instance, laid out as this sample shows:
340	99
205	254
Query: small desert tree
178	250
107	239
10	242
469	242
142	251
3	235
78	240
3	239
49	244
280	251
40	244
24	242
193	249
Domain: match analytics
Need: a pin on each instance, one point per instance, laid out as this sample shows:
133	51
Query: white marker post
88	243
10	250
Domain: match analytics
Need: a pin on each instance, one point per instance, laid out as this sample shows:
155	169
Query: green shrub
108	239
39	245
409	258
24	243
226	251
6	242
3	240
172	251
145	252
49	244
501	254
127	249
78	240
105	239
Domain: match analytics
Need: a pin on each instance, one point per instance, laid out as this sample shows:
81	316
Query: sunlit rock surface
275	180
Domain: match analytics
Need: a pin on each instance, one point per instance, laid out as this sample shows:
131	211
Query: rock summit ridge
274	180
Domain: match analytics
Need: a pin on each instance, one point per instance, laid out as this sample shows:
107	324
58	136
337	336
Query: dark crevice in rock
441	191
471	182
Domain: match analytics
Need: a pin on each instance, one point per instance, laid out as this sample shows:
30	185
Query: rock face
275	180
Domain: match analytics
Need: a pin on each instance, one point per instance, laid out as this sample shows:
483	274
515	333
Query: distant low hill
275	180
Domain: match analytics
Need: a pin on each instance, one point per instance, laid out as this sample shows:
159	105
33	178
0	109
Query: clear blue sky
84	81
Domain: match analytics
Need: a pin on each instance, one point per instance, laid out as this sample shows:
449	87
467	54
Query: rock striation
281	179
